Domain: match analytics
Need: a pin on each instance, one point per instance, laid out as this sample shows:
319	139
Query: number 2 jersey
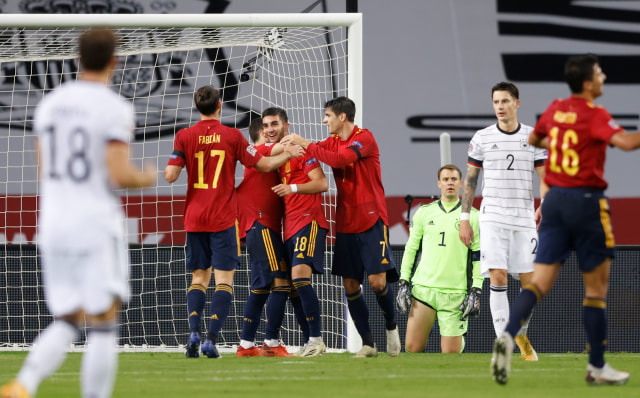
578	134
74	124
508	163
209	150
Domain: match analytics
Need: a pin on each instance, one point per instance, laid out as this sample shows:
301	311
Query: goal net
295	61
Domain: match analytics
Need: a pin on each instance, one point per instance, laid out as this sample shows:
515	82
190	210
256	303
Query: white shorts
507	249
88	278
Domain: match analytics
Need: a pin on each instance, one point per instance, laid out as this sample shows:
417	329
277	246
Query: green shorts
447	309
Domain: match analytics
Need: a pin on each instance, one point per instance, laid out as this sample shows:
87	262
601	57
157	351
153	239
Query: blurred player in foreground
575	214
83	130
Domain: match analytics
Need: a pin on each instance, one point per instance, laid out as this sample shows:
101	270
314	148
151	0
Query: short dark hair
506	86
96	47
579	69
452	167
254	129
275	111
206	99
342	105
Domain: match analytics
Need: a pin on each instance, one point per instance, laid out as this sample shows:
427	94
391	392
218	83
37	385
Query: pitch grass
161	375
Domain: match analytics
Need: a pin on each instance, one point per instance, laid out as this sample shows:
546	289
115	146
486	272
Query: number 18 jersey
74	124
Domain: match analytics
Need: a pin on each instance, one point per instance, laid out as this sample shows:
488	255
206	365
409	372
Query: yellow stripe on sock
594	302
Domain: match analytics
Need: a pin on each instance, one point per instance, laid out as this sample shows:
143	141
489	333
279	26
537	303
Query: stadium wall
556	324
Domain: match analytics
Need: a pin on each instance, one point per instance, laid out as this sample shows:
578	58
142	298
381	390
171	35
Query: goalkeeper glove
471	304
403	299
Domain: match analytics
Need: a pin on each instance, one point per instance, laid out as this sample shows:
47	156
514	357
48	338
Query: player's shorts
576	219
220	250
447	307
88	278
367	251
307	247
507	249
266	256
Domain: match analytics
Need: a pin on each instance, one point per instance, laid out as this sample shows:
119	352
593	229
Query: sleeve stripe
474	162
356	150
178	153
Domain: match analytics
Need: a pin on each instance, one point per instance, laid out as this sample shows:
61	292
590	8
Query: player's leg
422	316
100	359
595	324
46	356
298	312
198	261
452	327
377	258
275	315
498	299
225	258
306	259
494	264
62	278
251	320
595	247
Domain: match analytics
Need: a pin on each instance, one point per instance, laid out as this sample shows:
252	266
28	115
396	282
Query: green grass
161	375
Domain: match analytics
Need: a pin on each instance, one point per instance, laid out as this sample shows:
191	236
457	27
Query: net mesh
296	68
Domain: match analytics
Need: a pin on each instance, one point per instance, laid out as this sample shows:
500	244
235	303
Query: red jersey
578	134
300	209
210	150
256	200
356	170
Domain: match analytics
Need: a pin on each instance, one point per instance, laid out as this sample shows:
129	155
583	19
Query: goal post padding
294	61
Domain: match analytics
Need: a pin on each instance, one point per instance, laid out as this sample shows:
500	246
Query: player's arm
339	159
468	193
317	184
123	172
477	279
538	140
544	188
625	140
416	232
271	163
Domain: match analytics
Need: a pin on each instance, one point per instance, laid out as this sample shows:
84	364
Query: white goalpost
294	61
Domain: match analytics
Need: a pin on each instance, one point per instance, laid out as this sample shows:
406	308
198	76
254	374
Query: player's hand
466	233
293	150
294	139
403	299
471	304
538	216
282	189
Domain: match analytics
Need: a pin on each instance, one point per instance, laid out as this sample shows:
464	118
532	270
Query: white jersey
74	123
508	163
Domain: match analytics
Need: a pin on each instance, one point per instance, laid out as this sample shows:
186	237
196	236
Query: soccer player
305	227
507	216
446	282
210	150
575	213
82	139
362	241
260	216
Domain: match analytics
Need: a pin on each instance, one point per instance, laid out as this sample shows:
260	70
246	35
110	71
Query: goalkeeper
446	282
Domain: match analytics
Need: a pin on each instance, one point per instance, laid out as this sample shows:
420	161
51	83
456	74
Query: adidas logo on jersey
431	222
495	146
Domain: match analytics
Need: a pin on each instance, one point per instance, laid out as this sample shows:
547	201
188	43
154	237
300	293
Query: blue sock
220	303
275	311
196	298
522	308
386	301
298	311
310	304
594	317
252	311
360	315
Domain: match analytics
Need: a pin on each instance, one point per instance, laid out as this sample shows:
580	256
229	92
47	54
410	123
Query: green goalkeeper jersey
443	263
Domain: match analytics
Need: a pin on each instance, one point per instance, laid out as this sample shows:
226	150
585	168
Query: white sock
315	339
272	342
99	363
499	304
48	352
246	344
